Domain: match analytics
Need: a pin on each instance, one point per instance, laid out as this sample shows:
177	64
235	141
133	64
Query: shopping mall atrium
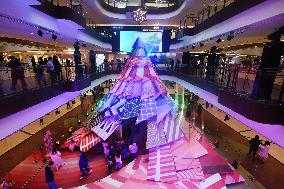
134	94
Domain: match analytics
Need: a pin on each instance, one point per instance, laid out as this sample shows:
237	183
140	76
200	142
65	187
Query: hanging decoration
139	15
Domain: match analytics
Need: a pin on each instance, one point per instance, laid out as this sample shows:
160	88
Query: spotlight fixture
193	46
201	44
54	37
227	117
92	109
39	33
73	101
218	40
87	114
79	122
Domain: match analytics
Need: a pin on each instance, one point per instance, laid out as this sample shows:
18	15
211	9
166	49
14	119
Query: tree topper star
139	15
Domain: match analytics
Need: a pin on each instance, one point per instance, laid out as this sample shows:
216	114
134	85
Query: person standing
124	151
39	71
84	165
172	63
57	68
17	72
105	147
254	145
56	159
109	164
33	63
118	162
49	176
133	149
68	105
50	68
264	150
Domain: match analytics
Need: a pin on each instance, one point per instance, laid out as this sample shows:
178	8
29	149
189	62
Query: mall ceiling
100	16
255	36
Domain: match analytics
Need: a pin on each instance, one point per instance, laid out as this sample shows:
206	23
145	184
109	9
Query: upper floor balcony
255	94
152	6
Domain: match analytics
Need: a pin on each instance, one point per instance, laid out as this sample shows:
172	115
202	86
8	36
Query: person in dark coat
49	176
17	72
254	145
33	63
84	165
57	68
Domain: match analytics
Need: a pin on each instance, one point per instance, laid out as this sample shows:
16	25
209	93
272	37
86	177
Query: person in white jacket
264	151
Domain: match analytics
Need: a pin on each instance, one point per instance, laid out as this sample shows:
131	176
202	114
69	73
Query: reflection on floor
66	177
195	165
235	146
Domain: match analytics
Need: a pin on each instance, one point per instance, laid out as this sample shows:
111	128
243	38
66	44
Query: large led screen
152	40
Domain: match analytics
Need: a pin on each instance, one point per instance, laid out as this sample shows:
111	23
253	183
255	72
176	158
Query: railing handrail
235	79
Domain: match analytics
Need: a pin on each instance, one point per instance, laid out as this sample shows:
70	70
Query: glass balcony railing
246	82
25	78
209	10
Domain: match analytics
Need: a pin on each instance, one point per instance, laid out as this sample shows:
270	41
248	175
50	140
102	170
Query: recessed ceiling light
32	33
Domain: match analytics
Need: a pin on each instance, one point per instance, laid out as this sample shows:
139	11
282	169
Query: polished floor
234	146
268	175
66	177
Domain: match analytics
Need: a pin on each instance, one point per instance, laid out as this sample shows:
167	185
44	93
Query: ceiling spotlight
39	33
53	36
193	46
201	44
219	40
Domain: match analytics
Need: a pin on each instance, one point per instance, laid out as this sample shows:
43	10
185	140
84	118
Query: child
72	145
56	158
133	149
118	162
